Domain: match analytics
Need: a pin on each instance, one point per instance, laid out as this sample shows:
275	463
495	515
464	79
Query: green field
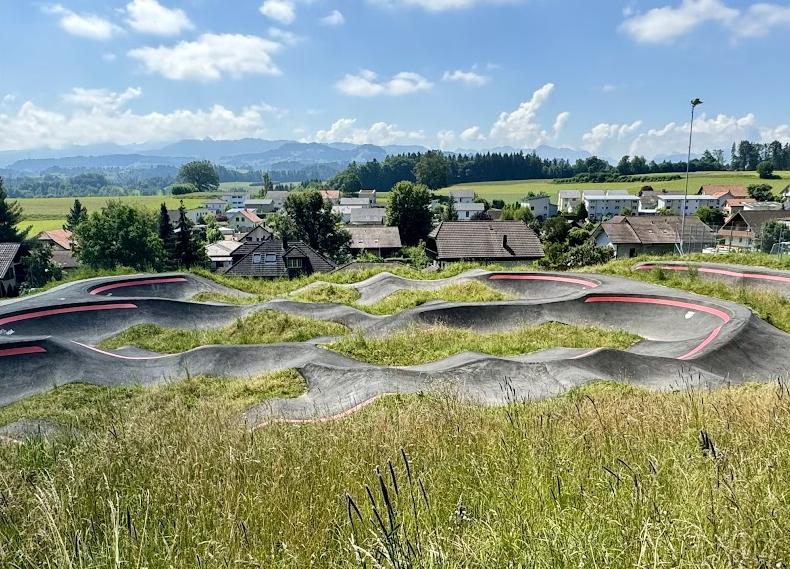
513	190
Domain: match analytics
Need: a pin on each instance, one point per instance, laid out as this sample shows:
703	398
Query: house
236	199
277	197
785	195
742	230
243	220
380	241
370	194
260	206
60	242
274	258
332	195
505	242
367	215
216	206
462	196
220	254
467	210
193	215
692	203
344	212
9	268
603	206
540	206
569	200
256	235
734	205
648	199
355	202
630	236
722	191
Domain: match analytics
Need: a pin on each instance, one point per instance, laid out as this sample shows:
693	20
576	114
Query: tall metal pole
694	103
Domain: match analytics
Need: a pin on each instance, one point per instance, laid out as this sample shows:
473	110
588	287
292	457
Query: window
271	257
294	263
256	258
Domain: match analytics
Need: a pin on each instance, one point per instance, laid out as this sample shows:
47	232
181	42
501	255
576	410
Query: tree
213	234
772	232
201	174
408	211
315	223
77	213
119	235
39	267
624	166
665	211
431	170
581	213
765	169
555	230
761	192
710	216
189	250
168	237
481	216
347	181
578	236
10	216
267	187
448	211
626	211
281	225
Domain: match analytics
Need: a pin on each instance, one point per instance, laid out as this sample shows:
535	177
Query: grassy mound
415	346
264	327
607	476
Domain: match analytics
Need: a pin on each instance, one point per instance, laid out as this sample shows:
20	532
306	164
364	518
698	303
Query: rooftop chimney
504	241
285	241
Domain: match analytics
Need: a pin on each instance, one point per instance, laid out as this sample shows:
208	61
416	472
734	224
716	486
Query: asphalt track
689	340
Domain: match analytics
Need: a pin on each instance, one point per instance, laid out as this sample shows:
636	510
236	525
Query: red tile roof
718	191
60	237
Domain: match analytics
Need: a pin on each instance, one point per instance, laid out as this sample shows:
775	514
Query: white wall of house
236	199
693	203
540	206
599	206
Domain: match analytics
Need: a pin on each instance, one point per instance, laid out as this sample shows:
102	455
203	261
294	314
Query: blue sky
610	77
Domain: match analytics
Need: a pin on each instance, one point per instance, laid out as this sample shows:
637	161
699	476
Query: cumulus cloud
604	133
150	17
284	36
468	77
523	127
211	57
668	23
380	133
780	133
473	133
365	84
282	11
83	25
99	115
335	18
446	139
440	5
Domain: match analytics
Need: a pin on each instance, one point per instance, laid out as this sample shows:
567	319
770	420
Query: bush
765	169
181	189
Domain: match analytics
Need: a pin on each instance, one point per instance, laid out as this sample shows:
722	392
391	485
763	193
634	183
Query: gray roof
368	215
458	194
469	206
313	261
656	230
756	219
277	195
484	240
355	201
570	194
8	252
374	238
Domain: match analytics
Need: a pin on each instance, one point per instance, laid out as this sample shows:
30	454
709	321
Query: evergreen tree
168	237
189	251
10	216
77	213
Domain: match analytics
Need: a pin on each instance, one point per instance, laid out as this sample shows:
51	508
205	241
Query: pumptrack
50	339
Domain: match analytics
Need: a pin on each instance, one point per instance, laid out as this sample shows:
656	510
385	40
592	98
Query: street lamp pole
694	103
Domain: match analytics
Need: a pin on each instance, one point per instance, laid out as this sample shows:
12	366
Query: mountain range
247	153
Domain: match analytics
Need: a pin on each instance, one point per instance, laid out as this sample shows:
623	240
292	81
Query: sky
611	77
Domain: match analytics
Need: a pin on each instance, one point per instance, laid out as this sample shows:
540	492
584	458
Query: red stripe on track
119	356
69	310
21	351
112	286
758	276
662	301
704	343
585	354
544	278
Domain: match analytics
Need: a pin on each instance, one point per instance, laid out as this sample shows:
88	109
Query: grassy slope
511	191
607	476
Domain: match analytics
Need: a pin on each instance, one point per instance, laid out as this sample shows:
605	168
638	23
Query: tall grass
264	327
606	476
416	346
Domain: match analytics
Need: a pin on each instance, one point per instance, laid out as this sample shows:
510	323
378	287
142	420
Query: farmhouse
60	242
630	236
504	242
742	230
724	192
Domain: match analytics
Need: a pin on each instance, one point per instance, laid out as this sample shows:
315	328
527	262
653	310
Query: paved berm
689	340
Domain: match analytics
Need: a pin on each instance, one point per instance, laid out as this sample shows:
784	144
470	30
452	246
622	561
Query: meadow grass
513	190
264	327
415	346
605	476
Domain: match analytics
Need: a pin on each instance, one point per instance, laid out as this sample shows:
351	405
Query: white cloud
365	85
109	57
284	36
473	133
345	130
282	11
211	57
717	132
149	16
522	125
83	25
446	139
98	116
468	77
608	88
560	122
780	133
9	98
604	133
668	23
440	5
335	18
